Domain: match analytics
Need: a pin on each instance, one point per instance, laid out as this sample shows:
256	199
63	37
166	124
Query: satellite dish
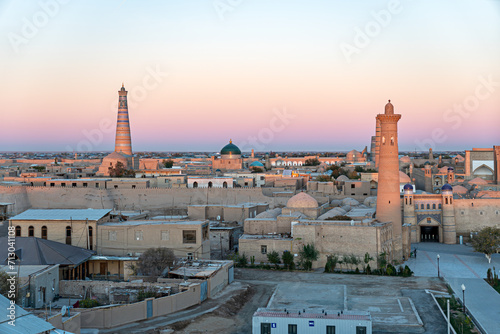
63	310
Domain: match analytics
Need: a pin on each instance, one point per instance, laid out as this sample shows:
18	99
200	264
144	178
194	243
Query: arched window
18	231
210	184
91	234
44	232
31	231
439	206
433	206
224	185
195	184
410	200
428	206
446	200
421	206
68	235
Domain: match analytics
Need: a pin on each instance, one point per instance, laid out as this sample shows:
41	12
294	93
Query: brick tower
388	195
123	142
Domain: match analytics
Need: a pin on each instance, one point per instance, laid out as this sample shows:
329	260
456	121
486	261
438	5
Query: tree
168	163
487	241
39	168
119	170
331	262
4	283
367	260
312	162
274	258
154	261
323	178
287	259
355	261
307	256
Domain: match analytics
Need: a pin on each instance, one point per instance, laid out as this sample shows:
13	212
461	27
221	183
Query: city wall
130	199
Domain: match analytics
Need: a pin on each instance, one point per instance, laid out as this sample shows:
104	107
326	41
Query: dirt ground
234	314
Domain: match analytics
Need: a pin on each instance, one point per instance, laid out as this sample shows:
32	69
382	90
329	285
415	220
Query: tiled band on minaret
123	141
388	193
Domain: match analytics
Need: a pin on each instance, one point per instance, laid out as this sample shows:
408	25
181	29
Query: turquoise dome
230	149
256	164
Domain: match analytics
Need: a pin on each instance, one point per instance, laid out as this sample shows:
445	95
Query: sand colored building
188	239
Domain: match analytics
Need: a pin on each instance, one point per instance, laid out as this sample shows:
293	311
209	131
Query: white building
283	321
209	182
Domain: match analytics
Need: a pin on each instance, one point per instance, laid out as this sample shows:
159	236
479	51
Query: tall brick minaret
123	141
388	193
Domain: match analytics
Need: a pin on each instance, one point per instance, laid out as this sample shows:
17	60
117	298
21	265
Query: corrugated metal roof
62	214
25	323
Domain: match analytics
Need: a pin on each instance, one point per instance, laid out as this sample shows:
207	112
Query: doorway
429	233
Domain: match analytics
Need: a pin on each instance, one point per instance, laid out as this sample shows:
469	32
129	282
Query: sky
282	75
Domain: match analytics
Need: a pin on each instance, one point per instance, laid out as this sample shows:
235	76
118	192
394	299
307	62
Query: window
263	249
439	206
138	235
91	237
189	237
292	329
31	231
353	186
97	185
112	235
116	186
330	329
204	232
85	185
195	184
63	184
133	186
73	184
428	206
433	206
421	206
446	200
165	235
52	184
68	235
18	231
360	329
265	328
44	232
189	256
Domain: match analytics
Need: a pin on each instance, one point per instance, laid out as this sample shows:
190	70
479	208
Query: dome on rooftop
256	164
446	187
230	149
302	200
403	178
408	187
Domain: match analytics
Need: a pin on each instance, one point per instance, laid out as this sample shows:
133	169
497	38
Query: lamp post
463	297
438	265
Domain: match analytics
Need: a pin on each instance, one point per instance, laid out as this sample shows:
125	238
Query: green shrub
88	303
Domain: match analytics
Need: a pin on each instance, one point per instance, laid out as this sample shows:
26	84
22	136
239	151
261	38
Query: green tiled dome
230	149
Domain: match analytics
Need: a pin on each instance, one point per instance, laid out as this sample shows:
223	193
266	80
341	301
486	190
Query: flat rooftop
312	314
154	222
62	214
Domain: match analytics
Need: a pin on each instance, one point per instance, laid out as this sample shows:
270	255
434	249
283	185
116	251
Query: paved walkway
459	264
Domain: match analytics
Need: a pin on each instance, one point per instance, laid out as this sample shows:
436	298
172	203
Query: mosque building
230	159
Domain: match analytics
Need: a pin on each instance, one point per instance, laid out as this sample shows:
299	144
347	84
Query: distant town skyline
281	76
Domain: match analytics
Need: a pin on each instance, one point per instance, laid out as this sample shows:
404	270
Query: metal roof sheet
25	323
62	214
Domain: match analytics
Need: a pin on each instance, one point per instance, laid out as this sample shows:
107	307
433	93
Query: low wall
72	324
107	317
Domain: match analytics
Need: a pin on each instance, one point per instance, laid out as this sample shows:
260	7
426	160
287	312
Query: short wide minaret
388	193
123	141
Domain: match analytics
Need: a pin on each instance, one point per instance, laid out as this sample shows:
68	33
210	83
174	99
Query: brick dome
302	200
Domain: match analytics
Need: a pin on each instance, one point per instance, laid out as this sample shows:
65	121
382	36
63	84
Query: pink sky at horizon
226	78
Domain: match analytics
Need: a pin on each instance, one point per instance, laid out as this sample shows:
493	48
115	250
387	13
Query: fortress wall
130	199
16	195
474	214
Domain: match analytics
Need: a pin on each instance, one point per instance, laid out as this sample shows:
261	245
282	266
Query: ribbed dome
302	200
230	149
